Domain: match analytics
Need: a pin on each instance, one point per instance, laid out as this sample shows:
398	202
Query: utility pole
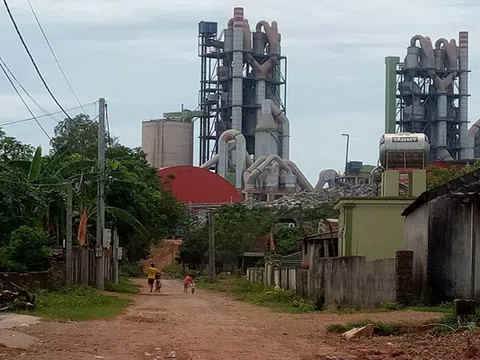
100	270
211	245
346	154
68	241
115	255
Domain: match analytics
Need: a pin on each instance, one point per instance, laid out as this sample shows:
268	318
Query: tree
12	149
143	211
20	203
78	136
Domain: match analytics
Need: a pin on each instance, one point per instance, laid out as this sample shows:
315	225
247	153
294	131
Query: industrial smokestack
465	144
237	71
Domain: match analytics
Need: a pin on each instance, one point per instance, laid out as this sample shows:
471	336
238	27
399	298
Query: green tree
286	239
78	136
12	149
29	249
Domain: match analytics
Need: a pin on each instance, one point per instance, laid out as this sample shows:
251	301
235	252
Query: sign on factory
405	139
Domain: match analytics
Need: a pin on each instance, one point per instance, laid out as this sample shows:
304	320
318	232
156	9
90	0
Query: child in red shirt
187	282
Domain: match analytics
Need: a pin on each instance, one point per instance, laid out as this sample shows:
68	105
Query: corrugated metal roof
465	183
194	185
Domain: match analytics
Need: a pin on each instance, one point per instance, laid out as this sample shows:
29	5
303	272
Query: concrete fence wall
345	282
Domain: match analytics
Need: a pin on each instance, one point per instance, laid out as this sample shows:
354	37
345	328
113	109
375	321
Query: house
442	228
321	245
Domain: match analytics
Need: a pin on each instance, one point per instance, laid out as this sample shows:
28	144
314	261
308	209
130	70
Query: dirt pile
163	255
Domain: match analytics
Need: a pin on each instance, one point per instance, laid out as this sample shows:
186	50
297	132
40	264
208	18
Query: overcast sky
142	57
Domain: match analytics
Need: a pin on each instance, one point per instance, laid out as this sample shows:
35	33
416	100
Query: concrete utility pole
68	241
211	246
100	270
115	256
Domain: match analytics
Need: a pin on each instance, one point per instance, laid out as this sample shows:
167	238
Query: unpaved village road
208	326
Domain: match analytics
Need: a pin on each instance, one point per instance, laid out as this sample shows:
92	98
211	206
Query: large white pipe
240	147
253	175
214	160
285	124
266	131
301	179
260	97
466	144
444	155
442	121
237	71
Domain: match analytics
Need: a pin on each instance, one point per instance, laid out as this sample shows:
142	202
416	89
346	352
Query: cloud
143	54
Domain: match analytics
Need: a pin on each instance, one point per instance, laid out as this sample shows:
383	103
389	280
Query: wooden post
68	240
211	246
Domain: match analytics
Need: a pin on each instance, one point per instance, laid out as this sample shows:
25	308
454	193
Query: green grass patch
380	328
446	308
243	290
125	286
79	303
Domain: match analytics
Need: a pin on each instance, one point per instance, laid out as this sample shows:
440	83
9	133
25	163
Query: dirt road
206	326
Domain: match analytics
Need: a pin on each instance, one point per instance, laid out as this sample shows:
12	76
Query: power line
40	116
24	103
53	53
32	59
26	92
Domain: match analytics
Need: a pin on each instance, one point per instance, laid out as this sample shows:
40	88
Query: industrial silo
168	142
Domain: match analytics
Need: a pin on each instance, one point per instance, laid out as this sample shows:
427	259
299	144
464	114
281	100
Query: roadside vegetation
78	303
124	286
256	294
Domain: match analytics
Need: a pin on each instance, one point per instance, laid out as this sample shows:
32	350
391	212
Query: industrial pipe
253	175
427	58
466	145
301	179
444	155
266	131
328	176
240	146
272	35
237	72
279	116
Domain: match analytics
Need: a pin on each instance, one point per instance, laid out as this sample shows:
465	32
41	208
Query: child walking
187	283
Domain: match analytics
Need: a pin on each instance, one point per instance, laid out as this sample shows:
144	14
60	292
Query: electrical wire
54	55
26	92
24	102
32	59
40	116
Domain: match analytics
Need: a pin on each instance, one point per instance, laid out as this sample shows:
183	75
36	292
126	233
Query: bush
173	270
131	270
28	250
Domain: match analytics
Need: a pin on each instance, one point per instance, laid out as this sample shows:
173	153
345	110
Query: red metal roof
191	184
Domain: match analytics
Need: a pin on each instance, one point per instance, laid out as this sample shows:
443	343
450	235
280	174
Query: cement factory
244	131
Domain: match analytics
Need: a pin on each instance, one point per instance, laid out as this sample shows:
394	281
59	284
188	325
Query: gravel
312	199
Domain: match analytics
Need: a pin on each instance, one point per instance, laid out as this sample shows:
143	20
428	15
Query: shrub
131	270
173	270
28	250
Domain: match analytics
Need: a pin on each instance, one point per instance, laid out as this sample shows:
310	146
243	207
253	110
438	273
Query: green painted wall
371	227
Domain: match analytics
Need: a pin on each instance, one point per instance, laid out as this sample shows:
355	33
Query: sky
141	56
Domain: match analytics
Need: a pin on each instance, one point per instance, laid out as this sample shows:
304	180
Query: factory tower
428	93
244	131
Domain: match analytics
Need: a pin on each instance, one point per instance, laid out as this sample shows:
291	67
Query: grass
241	289
79	303
124	286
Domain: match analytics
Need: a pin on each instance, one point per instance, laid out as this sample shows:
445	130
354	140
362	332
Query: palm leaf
35	166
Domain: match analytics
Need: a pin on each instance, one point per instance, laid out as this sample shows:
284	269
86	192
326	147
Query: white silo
168	142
